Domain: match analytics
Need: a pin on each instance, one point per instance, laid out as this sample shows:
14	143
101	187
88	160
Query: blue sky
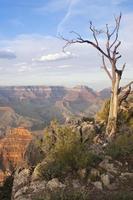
31	53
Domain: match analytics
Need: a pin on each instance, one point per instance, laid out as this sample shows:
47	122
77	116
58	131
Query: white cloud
63	66
7	54
24	69
68	15
55	57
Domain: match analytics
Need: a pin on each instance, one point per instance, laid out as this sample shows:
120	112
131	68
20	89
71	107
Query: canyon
26	110
33	107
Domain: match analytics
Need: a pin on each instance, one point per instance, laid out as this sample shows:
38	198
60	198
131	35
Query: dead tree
110	56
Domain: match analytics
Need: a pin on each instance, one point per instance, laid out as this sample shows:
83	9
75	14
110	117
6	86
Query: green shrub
65	153
123	195
69	194
125	119
121	147
102	115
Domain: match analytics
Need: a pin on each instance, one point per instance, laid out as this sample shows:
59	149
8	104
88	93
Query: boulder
98	185
108	166
21	179
55	184
105	179
75	183
127	175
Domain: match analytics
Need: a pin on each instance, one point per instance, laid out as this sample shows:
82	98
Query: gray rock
98	185
54	184
38	186
109	167
21	192
105	179
75	183
21	179
113	186
127	174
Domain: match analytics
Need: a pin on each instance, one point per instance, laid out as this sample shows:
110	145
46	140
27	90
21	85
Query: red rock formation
12	150
2	177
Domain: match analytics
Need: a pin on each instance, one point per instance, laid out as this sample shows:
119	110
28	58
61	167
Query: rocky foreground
108	178
54	170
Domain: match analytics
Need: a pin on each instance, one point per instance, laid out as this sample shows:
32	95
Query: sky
31	49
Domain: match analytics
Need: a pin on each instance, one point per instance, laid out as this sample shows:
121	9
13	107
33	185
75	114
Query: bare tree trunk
113	112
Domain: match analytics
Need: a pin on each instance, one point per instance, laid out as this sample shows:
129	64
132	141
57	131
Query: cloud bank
7	54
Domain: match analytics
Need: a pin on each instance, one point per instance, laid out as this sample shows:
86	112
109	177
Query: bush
102	115
123	195
121	147
69	194
125	118
64	153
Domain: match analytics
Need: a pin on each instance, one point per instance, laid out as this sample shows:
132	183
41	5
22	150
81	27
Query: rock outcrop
101	184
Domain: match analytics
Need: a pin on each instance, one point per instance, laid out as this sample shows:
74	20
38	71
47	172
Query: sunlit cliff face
12	150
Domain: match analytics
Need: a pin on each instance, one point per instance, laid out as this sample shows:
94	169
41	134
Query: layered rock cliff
12	150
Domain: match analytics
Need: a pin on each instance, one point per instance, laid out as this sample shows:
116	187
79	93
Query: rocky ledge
110	177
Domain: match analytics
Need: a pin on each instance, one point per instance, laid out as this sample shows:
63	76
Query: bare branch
105	68
126	86
124	95
118	57
68	42
113	32
120	72
123	67
108	40
92	28
80	40
116	30
115	52
78	35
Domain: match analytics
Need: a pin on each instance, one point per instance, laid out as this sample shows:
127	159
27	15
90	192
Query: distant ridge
36	106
